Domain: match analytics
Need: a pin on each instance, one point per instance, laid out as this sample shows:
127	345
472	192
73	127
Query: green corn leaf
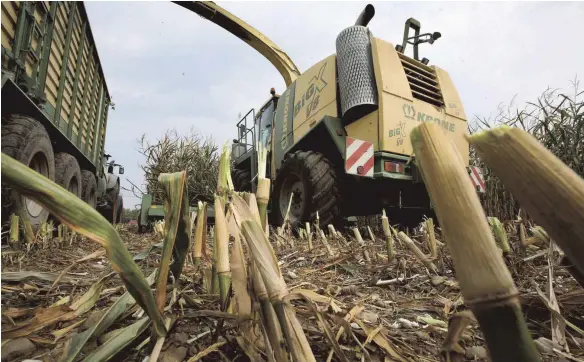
74	345
177	223
115	345
83	219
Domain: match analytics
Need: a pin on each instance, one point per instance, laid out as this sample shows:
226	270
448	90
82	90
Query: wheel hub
73	186
292	193
39	164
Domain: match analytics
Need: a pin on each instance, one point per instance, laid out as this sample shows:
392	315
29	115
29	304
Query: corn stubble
485	281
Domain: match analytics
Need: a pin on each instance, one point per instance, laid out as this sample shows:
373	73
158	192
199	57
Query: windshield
265	125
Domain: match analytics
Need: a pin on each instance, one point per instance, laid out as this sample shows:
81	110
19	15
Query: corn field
175	153
556	120
239	289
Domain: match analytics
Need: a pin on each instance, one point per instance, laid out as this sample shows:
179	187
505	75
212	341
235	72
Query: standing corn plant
175	152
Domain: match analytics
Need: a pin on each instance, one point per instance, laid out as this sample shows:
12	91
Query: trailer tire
312	178
241	180
68	173
89	185
27	141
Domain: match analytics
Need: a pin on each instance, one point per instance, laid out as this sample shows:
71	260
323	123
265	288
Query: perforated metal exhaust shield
355	71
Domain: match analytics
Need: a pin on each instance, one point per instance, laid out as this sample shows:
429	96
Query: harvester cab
338	136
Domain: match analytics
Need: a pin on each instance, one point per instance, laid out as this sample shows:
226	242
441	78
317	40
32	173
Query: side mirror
121	170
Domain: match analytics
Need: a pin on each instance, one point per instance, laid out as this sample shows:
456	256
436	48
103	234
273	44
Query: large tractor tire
27	141
68	173
313	180
241	180
89	188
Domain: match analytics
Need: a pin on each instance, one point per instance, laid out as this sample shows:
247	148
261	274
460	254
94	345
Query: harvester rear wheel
27	141
241	180
312	179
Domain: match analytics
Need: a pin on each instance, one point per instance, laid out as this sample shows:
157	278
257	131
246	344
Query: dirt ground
401	310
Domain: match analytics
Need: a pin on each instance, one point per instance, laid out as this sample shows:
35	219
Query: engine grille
422	80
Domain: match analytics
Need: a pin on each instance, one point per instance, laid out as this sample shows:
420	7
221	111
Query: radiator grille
422	80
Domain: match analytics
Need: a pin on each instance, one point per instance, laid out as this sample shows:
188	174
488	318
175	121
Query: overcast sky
168	68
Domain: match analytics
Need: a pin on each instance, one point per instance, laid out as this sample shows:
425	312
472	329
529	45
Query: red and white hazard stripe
476	175
359	157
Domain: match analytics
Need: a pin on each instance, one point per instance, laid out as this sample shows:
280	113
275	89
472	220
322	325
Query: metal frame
86	94
45	57
64	66
242	124
100	114
76	80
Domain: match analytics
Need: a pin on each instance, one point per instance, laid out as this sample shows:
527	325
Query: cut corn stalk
419	254
540	234
521	231
309	236
500	234
485	281
388	237
371	236
265	260
268	316
358	237
14	229
286	223
176	231
224	183
332	231
431	238
222	251
199	233
516	157
325	242
263	188
81	217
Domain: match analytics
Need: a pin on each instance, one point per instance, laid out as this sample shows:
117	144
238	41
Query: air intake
423	82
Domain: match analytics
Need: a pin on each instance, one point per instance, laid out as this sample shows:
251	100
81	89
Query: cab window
265	125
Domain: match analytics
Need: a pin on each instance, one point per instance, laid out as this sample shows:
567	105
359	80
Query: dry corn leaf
63	332
74	345
456	326
95	255
382	342
80	217
58	313
212	348
315	297
22	276
329	334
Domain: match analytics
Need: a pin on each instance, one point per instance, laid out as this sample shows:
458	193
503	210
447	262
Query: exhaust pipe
366	15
